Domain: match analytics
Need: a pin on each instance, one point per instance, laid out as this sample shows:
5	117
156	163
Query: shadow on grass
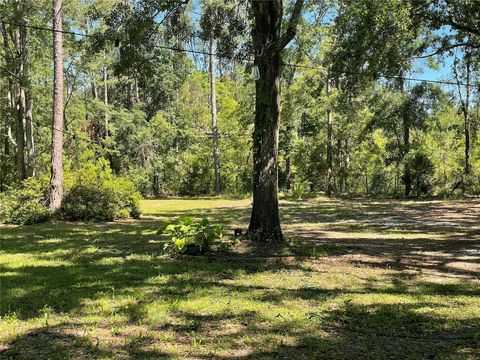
74	264
352	331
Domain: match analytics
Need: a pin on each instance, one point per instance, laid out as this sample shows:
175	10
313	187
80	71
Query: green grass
396	280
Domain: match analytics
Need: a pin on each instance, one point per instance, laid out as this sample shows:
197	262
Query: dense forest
183	97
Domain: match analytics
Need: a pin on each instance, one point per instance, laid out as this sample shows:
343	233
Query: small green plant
190	237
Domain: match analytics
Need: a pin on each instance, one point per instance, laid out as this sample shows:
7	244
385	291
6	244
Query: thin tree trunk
329	185
137	92
105	98
466	115
26	100
18	96
156	183
288	172
56	165
213	106
6	132
347	161
94	90
12	111
30	140
20	137
407	175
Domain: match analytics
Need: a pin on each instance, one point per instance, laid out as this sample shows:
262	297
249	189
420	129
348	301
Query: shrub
25	204
422	170
98	195
191	237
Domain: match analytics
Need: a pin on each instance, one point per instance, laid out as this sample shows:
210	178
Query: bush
422	171
191	238
25	204
98	195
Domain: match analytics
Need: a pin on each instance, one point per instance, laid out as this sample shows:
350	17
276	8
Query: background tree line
165	93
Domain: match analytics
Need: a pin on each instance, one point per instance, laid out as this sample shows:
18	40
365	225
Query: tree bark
94	90
466	115
329	185
407	174
213	107
288	171
56	164
20	136
268	42
26	101
18	97
347	161
465	107
105	99
30	140
265	219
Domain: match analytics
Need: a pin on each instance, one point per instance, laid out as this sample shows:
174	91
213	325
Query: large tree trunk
329	185
213	107
268	42
265	220
56	164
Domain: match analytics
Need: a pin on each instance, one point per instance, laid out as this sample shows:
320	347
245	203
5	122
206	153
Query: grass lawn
384	280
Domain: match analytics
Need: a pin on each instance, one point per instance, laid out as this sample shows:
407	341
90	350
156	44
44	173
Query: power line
72	136
42	28
220	56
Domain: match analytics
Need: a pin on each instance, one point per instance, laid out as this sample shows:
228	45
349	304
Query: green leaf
171	227
180	244
186	220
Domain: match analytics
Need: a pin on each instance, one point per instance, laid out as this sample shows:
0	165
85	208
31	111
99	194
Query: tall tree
329	184
462	69
56	163
220	26
268	43
25	93
213	108
16	42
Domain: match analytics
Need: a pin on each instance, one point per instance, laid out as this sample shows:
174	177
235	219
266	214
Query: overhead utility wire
199	52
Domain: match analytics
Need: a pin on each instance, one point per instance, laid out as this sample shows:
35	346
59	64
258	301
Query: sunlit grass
107	291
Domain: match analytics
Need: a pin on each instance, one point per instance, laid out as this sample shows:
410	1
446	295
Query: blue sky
421	70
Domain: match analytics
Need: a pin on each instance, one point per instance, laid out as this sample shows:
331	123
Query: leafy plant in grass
24	204
191	237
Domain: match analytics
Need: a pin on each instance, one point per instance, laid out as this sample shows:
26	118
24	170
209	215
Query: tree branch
448	48
462	27
289	34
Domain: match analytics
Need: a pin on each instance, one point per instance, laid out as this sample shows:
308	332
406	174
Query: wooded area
109	106
138	94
